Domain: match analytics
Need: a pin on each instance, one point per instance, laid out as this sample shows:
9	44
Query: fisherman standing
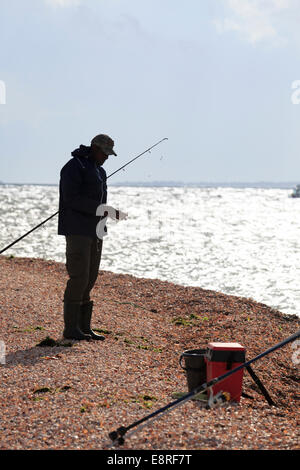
82	189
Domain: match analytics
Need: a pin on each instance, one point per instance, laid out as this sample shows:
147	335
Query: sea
238	239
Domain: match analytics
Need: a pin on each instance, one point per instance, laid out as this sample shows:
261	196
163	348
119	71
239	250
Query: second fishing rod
53	215
118	436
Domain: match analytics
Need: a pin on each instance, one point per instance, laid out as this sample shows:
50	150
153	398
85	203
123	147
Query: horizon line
170	183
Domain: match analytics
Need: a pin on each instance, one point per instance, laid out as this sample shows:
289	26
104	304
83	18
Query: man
82	189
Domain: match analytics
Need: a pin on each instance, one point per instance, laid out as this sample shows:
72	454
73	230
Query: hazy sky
214	76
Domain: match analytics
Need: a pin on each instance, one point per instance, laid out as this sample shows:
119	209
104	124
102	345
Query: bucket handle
187	368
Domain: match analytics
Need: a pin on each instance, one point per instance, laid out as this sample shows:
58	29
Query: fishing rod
53	215
117	436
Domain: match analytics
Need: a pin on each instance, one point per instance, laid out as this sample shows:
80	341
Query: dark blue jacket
82	189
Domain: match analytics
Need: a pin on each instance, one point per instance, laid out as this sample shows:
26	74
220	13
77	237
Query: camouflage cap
105	143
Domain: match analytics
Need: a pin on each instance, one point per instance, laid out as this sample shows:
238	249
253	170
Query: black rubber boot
85	324
72	318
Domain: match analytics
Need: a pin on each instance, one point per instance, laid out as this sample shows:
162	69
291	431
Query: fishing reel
218	399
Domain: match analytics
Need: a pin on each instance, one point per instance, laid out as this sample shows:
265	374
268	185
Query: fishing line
53	215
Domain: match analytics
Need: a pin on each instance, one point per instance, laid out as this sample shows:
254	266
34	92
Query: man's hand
109	211
105	211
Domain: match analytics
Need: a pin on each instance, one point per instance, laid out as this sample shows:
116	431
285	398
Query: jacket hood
81	151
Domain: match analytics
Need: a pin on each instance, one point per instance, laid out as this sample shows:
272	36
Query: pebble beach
71	394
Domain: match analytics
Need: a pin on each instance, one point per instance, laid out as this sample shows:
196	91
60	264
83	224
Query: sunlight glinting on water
242	242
